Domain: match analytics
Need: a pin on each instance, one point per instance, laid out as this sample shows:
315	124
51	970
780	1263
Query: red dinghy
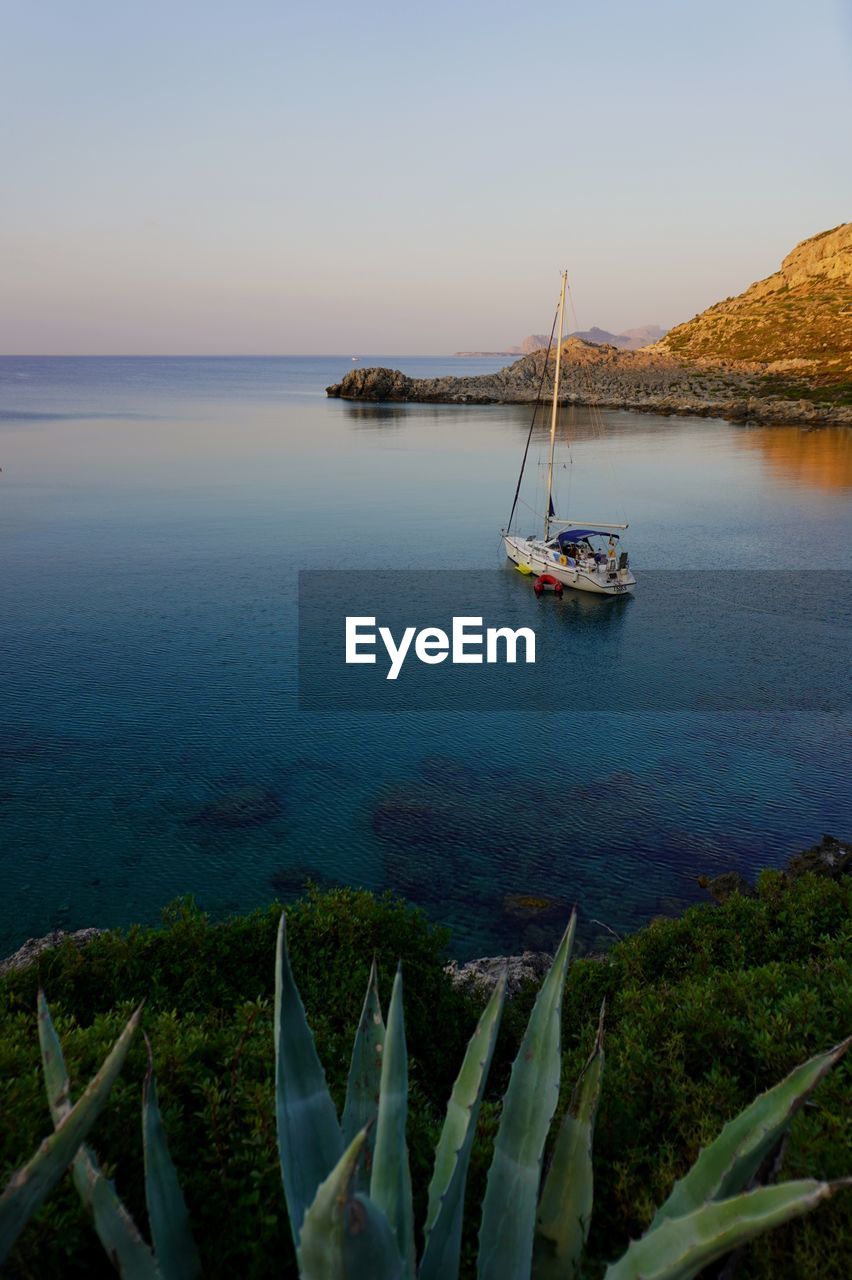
547	581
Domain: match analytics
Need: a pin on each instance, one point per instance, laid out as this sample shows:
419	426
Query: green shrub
703	1013
208	991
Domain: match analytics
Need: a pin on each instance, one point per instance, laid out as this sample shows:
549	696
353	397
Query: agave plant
348	1187
174	1255
347	1182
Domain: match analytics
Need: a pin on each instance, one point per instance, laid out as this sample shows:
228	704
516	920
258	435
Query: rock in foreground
483	974
33	947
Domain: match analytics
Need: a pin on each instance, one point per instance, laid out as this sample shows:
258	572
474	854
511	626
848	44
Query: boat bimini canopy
577	535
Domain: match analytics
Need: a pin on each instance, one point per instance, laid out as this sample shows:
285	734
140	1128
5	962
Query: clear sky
392	177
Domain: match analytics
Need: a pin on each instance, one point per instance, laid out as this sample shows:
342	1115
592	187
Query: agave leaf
390	1182
511	1194
565	1208
345	1235
369	1244
175	1248
729	1163
320	1250
309	1139
29	1186
113	1223
452	1156
365	1074
679	1248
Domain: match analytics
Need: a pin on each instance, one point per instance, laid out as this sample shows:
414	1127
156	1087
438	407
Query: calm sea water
153	516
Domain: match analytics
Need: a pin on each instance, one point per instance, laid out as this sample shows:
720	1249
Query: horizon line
236	355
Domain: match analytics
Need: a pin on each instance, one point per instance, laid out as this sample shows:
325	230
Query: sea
157	516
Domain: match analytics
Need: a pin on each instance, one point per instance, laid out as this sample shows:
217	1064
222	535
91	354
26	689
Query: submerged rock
726	885
831	857
529	906
248	806
535	921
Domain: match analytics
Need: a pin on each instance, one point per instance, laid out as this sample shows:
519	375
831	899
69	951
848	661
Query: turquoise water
153	517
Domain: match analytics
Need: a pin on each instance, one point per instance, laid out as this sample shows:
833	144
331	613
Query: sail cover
574	535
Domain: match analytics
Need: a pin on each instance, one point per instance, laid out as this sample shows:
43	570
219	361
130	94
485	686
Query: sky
284	178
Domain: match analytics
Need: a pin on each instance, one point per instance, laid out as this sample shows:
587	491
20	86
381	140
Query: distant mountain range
630	340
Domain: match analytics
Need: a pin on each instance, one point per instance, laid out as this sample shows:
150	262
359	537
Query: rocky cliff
796	322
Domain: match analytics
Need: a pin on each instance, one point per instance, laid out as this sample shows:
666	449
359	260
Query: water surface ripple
153	517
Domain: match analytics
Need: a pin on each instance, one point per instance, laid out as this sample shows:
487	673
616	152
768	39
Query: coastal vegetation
703	1013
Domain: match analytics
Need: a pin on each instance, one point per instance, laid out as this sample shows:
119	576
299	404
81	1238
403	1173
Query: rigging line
597	423
532	421
539	515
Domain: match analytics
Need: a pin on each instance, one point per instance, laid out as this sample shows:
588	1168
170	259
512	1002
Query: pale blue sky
264	177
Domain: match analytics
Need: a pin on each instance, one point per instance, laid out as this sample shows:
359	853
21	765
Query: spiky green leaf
346	1235
390	1183
29	1186
174	1246
679	1248
113	1223
365	1075
731	1161
309	1139
511	1194
320	1249
452	1156
369	1243
565	1208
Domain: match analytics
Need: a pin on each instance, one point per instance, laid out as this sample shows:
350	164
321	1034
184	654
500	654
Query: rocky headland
781	352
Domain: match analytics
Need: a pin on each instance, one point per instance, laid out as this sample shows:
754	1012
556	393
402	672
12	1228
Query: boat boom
587	524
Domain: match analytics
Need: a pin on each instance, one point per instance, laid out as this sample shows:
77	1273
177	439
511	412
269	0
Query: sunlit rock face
798	320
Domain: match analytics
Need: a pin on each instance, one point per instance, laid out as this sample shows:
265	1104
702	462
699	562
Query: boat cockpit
574	548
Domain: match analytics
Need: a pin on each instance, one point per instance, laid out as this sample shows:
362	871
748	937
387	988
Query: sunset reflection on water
820	457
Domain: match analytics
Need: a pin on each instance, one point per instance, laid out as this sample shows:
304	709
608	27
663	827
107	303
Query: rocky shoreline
650	380
30	951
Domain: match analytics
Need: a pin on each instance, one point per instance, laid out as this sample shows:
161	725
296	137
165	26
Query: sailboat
585	554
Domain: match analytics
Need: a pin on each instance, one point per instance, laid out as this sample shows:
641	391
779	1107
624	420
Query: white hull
532	554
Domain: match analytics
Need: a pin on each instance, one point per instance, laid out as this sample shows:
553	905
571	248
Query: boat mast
555	409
